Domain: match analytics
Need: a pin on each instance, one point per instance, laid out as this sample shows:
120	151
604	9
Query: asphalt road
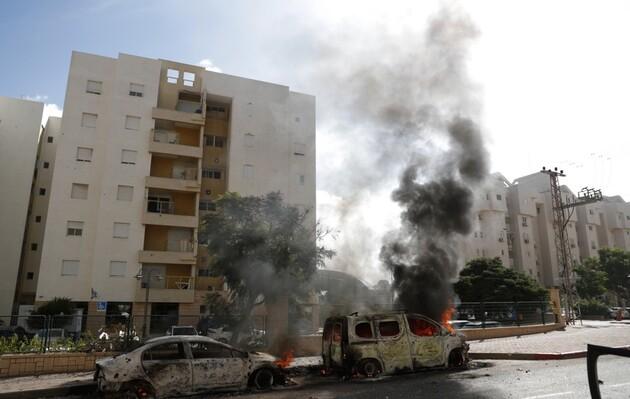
497	379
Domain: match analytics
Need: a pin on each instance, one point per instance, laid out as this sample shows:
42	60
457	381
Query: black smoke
422	254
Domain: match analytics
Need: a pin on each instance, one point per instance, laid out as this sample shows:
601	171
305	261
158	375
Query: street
498	379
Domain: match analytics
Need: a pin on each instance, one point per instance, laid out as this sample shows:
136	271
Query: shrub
593	307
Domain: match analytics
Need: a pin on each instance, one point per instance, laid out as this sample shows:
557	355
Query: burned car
389	343
185	365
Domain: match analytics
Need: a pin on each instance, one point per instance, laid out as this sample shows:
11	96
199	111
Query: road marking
549	395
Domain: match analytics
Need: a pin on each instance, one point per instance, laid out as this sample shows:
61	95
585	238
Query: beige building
522	211
20	125
144	146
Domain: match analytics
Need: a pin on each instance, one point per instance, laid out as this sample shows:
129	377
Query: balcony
167	257
169	289
178	116
164	212
169	142
167	183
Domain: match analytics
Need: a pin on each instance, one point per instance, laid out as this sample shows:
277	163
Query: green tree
616	263
592	280
486	280
263	248
54	307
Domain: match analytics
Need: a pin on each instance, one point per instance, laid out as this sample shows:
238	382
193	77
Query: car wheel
263	379
138	390
456	359
370	368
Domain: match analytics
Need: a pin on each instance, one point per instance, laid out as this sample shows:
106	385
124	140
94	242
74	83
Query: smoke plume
399	112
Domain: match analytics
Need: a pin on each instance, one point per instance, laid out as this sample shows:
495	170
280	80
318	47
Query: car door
216	366
426	342
393	345
168	368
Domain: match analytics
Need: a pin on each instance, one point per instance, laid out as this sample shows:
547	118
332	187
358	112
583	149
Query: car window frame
389	337
218	344
438	327
372	330
184	346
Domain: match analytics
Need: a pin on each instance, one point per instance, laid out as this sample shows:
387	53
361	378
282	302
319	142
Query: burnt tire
263	379
137	390
369	368
456	359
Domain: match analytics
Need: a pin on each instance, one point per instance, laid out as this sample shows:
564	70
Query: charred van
388	343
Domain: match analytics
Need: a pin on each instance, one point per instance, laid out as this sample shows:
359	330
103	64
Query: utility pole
562	212
149	276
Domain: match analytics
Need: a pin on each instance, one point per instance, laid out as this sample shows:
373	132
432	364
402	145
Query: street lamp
140	276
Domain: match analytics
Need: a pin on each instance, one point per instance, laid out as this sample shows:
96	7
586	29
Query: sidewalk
46	385
572	340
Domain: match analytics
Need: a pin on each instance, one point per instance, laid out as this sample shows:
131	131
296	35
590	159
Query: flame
446	317
287	359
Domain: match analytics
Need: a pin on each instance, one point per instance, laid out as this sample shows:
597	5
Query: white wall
20	123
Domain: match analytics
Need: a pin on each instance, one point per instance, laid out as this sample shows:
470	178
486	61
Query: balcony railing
157	206
172	283
166	136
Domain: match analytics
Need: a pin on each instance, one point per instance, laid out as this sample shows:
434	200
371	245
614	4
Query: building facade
144	146
514	222
20	125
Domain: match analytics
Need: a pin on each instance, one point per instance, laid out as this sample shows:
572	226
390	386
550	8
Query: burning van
389	343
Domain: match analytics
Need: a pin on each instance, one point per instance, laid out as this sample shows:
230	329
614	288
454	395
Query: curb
74	389
531	356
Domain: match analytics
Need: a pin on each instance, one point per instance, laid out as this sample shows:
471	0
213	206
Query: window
524	221
132	122
30	275
46	165
189	79
38	219
249	140
299	149
214	141
50	139
121	230
125	193
172	351
136	90
211	173
499	198
421	327
69	267
84	154
74	228
94	87
206	350
248	171
172	75
79	191
205	205
300	179
363	330
88	120
388	328
627	217
590	228
34	246
591	212
157	204
117	268
129	157
336	332
42	191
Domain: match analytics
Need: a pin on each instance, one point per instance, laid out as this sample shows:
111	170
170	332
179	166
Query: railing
104	331
166	136
180	282
156	206
185	174
501	314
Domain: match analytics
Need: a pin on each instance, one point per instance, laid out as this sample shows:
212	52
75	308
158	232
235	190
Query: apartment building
491	223
144	146
514	222
20	125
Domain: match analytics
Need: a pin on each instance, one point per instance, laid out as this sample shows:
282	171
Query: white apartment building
144	145
20	125
522	211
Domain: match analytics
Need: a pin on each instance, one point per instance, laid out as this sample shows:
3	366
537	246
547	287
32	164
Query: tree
486	280
592	280
54	307
616	263
263	248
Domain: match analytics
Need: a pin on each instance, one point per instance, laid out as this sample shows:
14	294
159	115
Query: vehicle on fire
389	343
185	365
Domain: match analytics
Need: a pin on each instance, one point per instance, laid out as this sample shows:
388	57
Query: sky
552	77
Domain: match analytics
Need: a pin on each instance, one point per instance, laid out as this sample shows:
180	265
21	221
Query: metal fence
501	314
114	332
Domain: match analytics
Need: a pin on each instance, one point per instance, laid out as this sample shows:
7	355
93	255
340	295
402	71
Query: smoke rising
398	121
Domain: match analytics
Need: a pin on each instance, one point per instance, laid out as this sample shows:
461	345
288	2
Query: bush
593	307
16	345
